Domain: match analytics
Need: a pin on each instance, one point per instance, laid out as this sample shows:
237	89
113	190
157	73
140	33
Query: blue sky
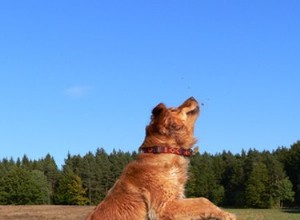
77	75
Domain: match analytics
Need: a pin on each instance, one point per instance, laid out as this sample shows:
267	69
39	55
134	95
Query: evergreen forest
250	179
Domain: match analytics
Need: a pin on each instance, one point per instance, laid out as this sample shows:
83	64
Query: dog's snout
189	103
192	99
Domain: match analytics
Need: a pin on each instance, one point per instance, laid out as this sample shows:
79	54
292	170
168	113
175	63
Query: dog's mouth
194	111
191	106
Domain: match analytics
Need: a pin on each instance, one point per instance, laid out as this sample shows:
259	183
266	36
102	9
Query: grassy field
266	214
45	212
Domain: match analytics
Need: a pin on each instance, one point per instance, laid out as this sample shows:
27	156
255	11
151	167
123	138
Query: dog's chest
177	178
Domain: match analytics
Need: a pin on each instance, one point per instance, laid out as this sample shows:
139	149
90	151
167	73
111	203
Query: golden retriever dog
152	186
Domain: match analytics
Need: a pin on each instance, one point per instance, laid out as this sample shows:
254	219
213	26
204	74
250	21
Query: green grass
266	214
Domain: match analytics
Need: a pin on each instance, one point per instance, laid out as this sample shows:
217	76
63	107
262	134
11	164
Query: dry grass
43	212
52	212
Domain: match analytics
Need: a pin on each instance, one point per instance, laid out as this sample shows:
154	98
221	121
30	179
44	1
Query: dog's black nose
192	99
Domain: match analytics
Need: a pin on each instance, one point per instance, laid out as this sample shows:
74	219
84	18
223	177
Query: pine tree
292	166
42	192
277	179
87	174
77	192
70	190
51	171
205	182
233	179
104	175
26	163
256	193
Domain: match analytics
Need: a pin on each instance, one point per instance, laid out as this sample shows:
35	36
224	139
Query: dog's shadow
292	211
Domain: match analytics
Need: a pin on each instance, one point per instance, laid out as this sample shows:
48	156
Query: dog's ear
158	110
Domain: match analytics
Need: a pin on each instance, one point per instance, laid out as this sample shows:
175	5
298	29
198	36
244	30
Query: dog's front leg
194	209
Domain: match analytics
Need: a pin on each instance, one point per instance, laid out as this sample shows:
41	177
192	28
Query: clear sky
77	75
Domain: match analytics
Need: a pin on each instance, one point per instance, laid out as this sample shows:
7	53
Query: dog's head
174	126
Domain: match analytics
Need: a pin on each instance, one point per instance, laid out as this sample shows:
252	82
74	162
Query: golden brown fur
152	187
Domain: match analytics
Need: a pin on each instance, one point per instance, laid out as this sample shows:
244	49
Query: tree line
249	179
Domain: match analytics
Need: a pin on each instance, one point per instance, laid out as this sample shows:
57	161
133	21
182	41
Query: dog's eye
175	126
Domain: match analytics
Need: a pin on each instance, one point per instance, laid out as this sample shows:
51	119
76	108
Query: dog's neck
167	150
159	144
162	145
